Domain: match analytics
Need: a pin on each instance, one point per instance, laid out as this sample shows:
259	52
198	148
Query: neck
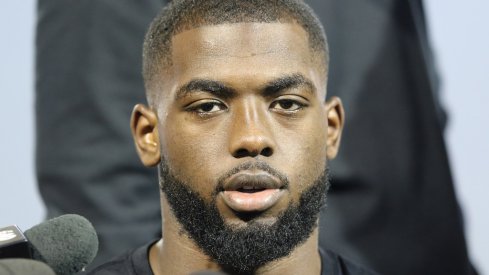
304	259
176	253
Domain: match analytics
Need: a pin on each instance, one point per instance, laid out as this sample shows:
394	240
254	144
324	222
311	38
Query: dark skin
237	93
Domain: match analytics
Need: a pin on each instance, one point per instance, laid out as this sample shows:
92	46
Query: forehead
242	50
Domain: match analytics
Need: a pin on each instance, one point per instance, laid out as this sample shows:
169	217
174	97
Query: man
238	125
391	185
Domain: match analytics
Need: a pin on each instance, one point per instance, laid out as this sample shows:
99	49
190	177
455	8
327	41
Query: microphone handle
24	267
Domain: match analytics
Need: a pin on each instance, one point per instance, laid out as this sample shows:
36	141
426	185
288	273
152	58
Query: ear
336	121
145	133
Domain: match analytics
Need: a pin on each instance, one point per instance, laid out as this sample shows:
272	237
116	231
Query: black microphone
24	267
67	243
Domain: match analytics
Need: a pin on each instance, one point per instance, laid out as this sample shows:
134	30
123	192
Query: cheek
192	153
309	155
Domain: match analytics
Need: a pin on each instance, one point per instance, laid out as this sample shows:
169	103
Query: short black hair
182	15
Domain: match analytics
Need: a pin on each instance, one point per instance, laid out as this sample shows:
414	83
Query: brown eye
287	105
206	107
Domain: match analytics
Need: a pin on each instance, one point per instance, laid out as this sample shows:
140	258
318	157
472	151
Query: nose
250	134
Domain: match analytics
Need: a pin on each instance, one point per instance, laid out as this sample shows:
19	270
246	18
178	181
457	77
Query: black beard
243	250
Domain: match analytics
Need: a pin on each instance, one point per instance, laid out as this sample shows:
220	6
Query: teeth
248	187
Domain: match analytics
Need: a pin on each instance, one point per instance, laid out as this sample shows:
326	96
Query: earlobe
145	133
336	121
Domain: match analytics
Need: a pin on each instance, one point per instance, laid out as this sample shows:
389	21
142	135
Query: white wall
460	34
19	201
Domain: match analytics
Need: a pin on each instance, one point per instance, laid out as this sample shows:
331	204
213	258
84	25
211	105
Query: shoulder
134	262
334	264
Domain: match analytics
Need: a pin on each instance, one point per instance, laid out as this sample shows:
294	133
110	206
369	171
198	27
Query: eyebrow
206	85
220	89
288	82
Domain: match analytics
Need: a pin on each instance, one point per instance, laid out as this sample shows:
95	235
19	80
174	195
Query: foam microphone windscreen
24	267
67	243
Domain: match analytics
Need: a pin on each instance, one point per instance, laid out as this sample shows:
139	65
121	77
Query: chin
245	220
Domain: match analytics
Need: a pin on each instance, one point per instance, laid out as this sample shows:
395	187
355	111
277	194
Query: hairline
153	70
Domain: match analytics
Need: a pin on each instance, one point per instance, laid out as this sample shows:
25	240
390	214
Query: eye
287	105
206	107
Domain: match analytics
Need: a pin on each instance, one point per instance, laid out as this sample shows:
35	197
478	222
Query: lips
252	191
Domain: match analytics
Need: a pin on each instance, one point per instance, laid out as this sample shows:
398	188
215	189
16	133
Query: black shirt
136	262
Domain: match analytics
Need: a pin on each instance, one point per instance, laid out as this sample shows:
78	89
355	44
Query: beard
243	250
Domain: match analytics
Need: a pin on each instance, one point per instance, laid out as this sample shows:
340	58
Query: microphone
24	267
67	243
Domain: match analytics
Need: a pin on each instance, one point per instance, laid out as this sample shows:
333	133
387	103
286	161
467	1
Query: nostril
241	153
267	152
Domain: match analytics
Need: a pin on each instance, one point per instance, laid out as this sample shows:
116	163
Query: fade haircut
181	15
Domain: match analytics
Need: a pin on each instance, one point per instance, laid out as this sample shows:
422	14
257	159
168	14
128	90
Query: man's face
244	93
242	121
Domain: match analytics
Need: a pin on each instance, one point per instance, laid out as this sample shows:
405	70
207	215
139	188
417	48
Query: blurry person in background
391	205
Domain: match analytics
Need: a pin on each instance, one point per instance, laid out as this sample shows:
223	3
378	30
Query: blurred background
460	38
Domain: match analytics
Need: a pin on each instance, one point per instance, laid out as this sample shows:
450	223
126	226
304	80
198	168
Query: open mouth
248	189
252	200
252	191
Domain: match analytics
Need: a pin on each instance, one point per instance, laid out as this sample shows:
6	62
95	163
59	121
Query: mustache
253	165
